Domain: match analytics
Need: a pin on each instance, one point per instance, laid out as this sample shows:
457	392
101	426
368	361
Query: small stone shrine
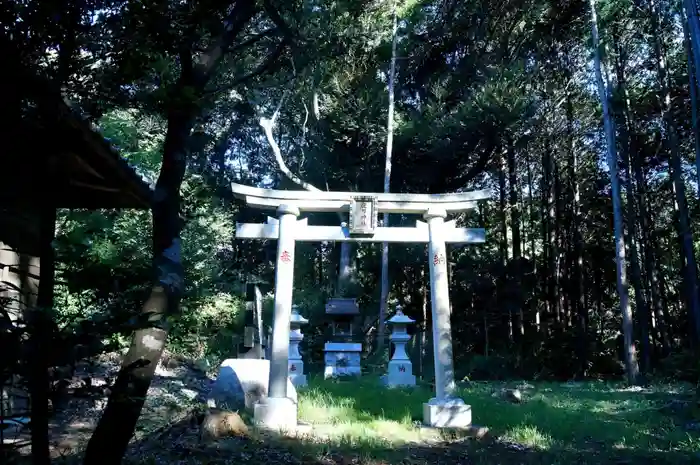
296	364
400	371
253	345
342	353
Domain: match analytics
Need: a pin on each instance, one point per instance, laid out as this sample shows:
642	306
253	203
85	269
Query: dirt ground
179	386
175	388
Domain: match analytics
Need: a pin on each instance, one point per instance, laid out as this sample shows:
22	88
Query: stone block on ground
510	395
452	413
276	414
242	383
473	432
220	424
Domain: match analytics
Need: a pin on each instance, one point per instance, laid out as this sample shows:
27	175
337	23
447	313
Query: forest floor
360	422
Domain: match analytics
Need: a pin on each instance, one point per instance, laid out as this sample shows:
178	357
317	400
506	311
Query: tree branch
278	20
233	25
252	40
268	125
261	69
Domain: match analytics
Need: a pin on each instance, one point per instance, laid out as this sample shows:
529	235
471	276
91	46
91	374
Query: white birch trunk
268	124
387	182
631	366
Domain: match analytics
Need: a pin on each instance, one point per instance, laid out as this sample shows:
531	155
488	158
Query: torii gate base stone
445	410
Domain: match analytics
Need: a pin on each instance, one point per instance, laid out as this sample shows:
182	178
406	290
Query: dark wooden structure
51	158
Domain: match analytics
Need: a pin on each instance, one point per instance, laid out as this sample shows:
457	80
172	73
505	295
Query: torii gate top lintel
324	201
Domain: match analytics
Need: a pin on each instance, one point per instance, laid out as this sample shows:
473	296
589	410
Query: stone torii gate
445	409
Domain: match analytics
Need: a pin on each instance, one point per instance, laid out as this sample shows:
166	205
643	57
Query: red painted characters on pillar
438	259
293	368
402	368
285	257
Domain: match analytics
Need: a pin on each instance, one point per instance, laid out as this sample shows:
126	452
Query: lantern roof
400	318
296	317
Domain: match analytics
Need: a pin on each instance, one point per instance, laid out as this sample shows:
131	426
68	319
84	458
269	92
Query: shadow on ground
185	447
576	425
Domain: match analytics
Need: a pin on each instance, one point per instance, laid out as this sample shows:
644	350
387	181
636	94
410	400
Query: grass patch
589	422
576	416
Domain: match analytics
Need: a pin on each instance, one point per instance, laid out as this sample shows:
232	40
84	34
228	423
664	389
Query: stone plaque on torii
445	409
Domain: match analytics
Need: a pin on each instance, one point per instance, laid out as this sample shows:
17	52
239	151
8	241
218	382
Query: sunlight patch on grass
361	410
395	431
322	408
529	435
554	416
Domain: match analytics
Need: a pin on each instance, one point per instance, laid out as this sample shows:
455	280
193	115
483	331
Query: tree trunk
693	22
577	287
622	287
627	150
548	245
557	221
503	220
684	230
693	83
387	184
531	224
116	427
513	201
649	249
41	338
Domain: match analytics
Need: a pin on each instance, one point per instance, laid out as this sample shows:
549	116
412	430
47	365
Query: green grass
360	422
591	422
361	409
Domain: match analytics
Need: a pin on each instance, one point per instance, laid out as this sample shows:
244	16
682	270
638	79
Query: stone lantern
400	367
296	364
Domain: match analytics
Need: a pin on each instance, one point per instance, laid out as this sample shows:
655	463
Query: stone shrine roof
342	306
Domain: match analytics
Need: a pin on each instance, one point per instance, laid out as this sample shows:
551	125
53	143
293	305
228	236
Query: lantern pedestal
296	364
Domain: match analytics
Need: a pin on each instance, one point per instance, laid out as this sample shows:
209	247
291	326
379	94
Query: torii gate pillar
278	410
444	410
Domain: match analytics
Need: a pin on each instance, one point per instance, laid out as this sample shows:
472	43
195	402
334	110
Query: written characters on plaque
363	215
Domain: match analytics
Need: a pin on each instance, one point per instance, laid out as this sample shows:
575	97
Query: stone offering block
342	359
242	383
453	413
